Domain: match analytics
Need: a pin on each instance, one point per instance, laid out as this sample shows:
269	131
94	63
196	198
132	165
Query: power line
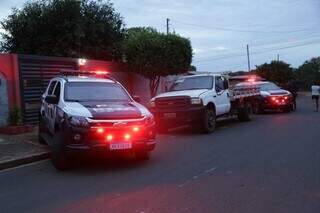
236	53
239	30
260	52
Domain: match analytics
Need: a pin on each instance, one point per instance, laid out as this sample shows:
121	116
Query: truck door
222	95
52	108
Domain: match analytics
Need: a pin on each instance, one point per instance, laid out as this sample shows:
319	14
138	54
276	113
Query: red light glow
251	80
127	136
99	72
136	129
109	137
100	130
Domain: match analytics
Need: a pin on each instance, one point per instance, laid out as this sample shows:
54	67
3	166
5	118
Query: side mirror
136	98
52	99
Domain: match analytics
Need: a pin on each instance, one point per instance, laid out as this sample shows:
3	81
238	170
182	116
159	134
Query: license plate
169	115
120	146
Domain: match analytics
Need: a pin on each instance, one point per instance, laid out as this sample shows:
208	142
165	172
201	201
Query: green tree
192	68
276	71
309	72
70	28
154	54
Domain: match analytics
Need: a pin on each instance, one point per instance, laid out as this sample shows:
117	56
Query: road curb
25	160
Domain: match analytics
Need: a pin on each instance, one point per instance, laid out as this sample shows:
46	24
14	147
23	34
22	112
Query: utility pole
168	26
248	55
278	57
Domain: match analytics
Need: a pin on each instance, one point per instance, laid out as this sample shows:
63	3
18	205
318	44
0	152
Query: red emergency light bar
97	73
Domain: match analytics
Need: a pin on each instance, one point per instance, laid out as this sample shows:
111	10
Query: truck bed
243	91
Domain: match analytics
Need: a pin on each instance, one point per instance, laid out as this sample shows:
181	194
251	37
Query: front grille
172	103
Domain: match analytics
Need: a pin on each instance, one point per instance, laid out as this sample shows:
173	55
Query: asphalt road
271	164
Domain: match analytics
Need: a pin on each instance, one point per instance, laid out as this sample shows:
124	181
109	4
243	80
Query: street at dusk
267	165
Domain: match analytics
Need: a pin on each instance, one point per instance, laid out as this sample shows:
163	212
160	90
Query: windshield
190	83
94	91
269	86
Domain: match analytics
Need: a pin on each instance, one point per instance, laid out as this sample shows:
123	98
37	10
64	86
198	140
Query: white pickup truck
200	99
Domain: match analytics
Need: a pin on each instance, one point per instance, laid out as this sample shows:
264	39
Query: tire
256	108
293	107
245	113
142	155
209	121
59	158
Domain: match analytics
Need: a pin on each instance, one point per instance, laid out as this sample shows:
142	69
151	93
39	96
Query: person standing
315	91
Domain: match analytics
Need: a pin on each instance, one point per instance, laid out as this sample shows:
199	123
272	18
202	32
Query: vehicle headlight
79	121
196	101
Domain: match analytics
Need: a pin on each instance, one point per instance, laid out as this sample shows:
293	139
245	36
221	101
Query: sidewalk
21	149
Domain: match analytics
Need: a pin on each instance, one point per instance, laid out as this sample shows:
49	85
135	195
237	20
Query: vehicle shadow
193	130
99	163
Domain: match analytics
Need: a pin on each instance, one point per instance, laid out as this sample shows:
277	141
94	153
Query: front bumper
90	140
267	104
174	117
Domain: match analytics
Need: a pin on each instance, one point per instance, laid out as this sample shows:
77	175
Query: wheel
59	157
256	108
294	107
245	113
209	121
142	155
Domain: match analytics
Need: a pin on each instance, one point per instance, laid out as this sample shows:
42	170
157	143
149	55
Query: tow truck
90	112
198	100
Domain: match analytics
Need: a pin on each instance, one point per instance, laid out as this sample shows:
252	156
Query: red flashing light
251	80
99	72
100	130
127	136
109	137
136	129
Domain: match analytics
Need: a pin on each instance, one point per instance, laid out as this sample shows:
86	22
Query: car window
219	84
57	90
51	87
268	86
225	83
190	83
95	91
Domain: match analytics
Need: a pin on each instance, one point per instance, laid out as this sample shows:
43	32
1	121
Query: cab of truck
192	99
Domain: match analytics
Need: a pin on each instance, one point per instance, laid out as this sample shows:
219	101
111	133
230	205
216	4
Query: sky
220	30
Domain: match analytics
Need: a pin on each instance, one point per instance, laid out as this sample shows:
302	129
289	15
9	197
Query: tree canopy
309	72
277	71
153	54
70	28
